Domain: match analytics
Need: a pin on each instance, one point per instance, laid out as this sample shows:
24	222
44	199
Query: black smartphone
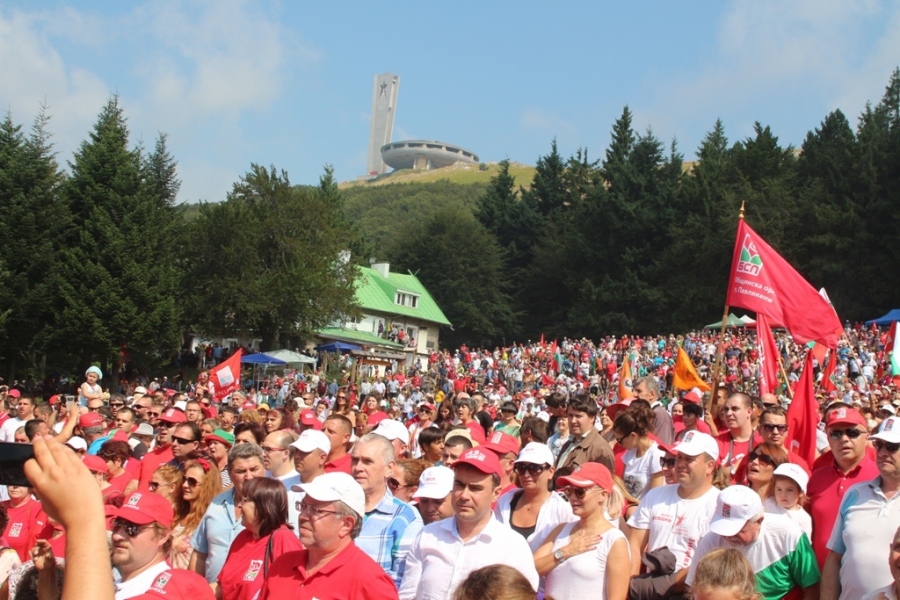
12	463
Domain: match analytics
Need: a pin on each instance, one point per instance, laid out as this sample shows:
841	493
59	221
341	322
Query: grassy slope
460	174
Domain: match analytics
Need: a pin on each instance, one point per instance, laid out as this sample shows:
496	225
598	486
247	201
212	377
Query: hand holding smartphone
12	463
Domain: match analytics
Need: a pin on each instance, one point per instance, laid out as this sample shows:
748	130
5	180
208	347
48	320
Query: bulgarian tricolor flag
895	352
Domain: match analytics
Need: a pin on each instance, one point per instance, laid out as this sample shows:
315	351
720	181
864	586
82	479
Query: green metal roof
360	337
375	292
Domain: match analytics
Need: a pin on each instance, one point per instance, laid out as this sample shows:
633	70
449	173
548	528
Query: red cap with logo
308	418
846	416
502	443
90	419
143	508
173	415
587	475
486	462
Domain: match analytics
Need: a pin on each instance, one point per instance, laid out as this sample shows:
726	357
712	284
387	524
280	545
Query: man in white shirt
24	412
277	449
676	516
309	453
445	552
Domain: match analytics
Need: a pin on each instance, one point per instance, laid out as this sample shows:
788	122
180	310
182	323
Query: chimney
383	268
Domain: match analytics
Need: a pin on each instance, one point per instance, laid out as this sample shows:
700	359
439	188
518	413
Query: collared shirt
863	532
341	465
216	531
387	532
440	560
826	489
140	583
350	574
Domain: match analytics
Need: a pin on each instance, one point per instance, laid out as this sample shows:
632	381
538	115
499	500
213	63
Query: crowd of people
514	473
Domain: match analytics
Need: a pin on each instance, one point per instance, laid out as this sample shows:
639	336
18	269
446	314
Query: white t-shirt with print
639	470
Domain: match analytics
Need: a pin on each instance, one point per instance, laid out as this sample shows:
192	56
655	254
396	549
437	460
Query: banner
226	376
686	377
625	383
768	356
829	381
803	415
762	281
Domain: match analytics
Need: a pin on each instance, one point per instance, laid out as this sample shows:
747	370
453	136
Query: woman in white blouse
533	510
589	558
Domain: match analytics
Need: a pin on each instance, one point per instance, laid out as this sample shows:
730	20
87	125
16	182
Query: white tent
292	358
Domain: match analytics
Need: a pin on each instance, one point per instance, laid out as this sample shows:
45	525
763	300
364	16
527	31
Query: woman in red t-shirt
375	415
266	536
26	520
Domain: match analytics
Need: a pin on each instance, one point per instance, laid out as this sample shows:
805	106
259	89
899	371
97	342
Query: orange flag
625	392
686	377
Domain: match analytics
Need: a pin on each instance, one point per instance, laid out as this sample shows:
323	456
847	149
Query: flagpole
787	383
720	347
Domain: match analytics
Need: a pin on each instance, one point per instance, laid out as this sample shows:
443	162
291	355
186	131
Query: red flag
803	415
762	281
828	381
768	356
226	377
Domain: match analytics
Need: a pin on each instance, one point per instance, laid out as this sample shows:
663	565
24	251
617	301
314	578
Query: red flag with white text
226	376
803	415
768	356
762	281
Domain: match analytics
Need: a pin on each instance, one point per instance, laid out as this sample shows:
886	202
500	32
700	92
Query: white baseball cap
536	453
543	416
144	429
794	472
735	505
435	482
888	408
695	443
332	487
889	431
310	440
392	430
77	443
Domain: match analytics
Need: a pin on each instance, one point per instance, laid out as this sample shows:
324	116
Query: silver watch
558	555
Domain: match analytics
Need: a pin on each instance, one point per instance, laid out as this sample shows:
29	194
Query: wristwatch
558	555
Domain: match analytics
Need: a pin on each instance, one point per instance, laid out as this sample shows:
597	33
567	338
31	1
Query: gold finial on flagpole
741	216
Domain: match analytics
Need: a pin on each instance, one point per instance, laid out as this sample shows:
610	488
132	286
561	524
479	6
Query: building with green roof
400	320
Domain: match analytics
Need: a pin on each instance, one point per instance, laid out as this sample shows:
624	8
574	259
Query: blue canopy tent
263	361
332	347
893	315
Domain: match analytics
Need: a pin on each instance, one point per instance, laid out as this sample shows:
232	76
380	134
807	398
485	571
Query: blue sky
289	83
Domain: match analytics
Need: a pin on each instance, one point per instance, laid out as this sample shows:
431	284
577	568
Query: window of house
406	299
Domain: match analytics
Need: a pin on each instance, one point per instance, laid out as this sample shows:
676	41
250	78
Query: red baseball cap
95	463
14	393
143	508
90	419
502	443
53	400
692	397
173	415
588	475
846	416
613	410
486	462
308	418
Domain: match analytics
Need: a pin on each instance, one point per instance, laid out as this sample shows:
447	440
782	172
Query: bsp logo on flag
750	263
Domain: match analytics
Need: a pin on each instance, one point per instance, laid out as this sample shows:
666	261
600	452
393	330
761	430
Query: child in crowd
788	495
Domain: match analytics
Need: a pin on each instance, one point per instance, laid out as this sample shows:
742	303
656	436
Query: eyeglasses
131	529
153	485
182	441
889	446
772	428
313	512
852	433
395	485
763	458
192	482
667	463
576	491
530	468
268	449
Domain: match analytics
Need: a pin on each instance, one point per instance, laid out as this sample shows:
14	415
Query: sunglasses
154	414
117	405
667	463
852	433
192	482
576	491
530	468
769	405
131	529
763	458
393	484
773	428
182	441
889	446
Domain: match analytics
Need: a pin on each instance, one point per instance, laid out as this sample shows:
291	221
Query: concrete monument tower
384	104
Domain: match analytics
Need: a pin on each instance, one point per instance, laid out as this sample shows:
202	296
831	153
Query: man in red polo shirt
162	453
338	429
739	439
330	566
847	436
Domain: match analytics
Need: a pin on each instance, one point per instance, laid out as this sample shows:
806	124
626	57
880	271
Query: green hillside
461	174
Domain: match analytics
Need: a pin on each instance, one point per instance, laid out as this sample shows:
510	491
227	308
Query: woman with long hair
446	415
588	558
533	510
201	484
167	481
342	407
264	514
761	464
405	478
278	418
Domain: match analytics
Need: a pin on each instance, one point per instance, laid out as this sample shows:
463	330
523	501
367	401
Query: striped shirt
387	533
